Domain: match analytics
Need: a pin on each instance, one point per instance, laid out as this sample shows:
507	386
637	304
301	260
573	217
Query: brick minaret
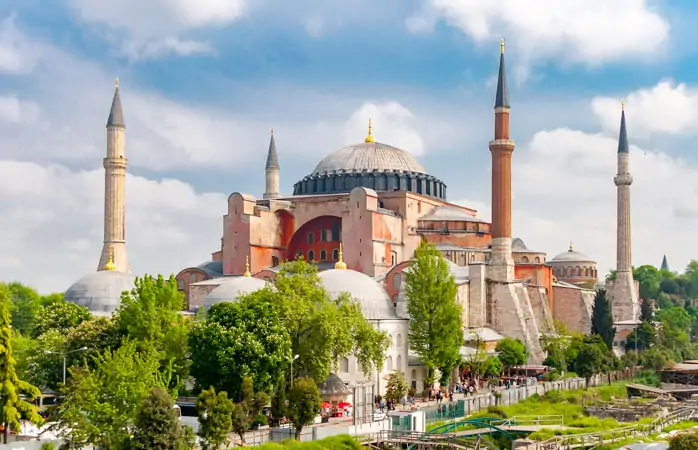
623	293
501	262
114	249
272	171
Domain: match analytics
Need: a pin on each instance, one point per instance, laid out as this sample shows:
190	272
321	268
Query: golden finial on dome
110	264
116	83
340	264
247	267
369	138
501	46
571	249
622	105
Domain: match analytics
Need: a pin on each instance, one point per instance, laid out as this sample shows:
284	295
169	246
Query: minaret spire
501	148
622	291
114	255
665	263
272	170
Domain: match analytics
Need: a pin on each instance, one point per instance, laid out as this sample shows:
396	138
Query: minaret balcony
623	179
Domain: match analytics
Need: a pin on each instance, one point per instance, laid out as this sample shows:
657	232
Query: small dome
100	292
571	256
369	156
333	386
231	288
374	301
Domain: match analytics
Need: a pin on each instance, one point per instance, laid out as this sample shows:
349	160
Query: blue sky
203	85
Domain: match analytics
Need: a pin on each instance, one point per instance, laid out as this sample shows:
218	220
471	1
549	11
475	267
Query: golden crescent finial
501	46
272	131
340	263
622	105
110	264
370	138
116	82
571	248
247	267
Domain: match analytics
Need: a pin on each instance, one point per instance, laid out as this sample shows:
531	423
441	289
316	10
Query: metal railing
537	421
417	440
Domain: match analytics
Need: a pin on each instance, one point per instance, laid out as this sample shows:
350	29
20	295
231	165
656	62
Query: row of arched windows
576	271
323	255
397	343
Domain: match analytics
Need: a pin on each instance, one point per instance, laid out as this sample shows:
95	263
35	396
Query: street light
293	359
65	354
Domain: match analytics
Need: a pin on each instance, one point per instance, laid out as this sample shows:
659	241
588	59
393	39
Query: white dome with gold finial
100	292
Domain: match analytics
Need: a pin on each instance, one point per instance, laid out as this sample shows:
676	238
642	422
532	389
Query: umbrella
342	405
326	405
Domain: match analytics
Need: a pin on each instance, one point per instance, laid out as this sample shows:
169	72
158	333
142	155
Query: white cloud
17	55
138	25
392	123
16	111
52	224
581	31
668	107
563	185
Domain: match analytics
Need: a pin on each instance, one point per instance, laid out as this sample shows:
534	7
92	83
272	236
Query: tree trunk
298	433
5	433
242	438
586	381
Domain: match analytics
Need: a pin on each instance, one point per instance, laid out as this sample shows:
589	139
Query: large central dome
369	157
372	165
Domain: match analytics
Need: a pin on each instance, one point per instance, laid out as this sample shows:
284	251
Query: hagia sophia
359	216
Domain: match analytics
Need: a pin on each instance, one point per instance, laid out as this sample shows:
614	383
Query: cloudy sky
203	82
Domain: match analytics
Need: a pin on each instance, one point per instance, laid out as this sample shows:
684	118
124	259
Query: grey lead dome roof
231	288
369	156
571	256
100	292
374	301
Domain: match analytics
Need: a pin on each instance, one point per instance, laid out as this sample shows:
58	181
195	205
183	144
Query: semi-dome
100	292
374	301
231	288
570	256
372	165
368	157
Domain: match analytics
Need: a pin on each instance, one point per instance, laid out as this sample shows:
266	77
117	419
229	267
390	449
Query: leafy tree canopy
602	318
59	316
436	325
397	387
511	352
156	426
215	418
238	340
304	403
25	304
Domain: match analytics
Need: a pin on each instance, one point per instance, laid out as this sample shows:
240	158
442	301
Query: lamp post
293	359
65	354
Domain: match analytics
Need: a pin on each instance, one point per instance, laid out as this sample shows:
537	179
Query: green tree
602	318
557	343
278	402
646	311
322	329
641	338
239	340
397	387
156	426
304	403
591	359
12	407
511	352
493	367
674	327
684	441
215	418
654	358
25	305
47	300
436	326
60	316
100	404
240	423
150	316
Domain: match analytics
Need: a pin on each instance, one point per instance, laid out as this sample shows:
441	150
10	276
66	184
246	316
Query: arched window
577	271
390	337
399	341
389	364
299	255
397	280
399	363
274	261
311	255
414	375
323	255
344	365
524	259
192	278
537	259
311	238
335	253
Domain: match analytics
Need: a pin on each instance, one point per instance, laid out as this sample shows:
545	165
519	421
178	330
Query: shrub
687	441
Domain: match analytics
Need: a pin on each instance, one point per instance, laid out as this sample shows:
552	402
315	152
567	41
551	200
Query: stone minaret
114	249
272	171
501	266
623	293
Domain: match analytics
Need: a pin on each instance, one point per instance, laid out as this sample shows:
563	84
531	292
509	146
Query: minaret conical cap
116	113
272	158
502	98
